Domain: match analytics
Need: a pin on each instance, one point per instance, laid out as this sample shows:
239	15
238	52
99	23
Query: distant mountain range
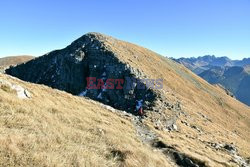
234	75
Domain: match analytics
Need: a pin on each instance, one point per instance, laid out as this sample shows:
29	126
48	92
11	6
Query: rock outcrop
21	92
88	56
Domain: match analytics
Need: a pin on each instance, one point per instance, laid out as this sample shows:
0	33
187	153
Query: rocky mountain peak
91	56
188	120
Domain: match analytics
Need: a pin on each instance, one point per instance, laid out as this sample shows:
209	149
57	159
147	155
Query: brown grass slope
14	60
55	128
230	119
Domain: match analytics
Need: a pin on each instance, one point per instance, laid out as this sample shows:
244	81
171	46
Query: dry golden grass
13	60
54	128
230	118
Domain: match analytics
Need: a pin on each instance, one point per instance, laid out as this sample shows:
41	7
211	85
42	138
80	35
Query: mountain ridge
188	114
5	62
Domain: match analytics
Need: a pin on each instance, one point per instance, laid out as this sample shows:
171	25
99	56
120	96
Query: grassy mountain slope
208	120
196	95
54	128
13	60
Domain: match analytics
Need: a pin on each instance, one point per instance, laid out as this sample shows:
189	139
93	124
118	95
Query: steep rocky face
69	68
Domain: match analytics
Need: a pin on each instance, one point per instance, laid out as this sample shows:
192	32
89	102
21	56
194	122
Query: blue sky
174	28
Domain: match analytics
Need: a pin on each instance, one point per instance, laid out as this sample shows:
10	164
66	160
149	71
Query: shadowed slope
54	128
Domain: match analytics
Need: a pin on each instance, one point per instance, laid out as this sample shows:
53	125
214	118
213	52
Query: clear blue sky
173	28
